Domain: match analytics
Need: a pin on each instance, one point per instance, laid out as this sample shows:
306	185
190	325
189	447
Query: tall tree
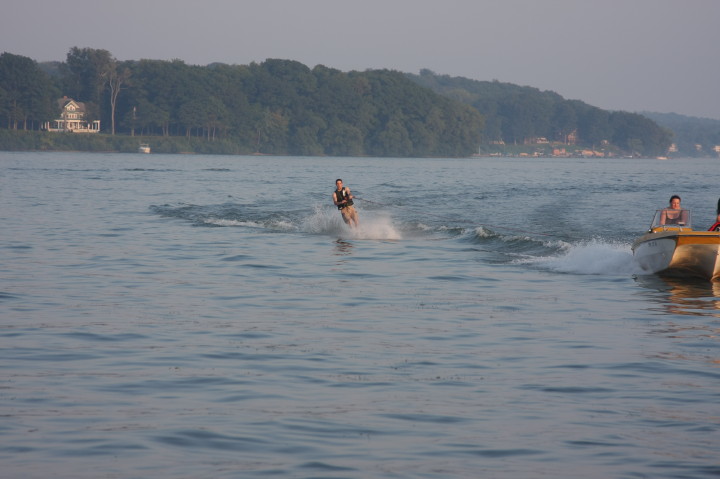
26	92
115	76
88	67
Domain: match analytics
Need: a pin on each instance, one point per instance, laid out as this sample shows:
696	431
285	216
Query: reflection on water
343	248
687	298
684	296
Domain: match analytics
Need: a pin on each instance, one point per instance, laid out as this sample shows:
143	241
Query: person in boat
343	199
716	226
674	214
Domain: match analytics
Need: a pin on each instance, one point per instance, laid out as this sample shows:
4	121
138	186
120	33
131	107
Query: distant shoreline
41	141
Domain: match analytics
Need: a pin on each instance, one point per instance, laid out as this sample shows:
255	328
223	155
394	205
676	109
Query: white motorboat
673	248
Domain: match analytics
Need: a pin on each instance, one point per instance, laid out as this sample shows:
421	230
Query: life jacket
341	195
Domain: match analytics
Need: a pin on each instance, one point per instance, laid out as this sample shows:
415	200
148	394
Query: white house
72	118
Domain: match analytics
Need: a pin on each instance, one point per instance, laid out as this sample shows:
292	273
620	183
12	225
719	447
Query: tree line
693	136
515	113
273	107
285	107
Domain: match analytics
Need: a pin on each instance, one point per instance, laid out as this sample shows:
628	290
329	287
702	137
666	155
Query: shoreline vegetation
104	143
43	141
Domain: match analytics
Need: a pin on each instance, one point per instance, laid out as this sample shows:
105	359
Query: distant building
592	154
536	140
572	138
72	118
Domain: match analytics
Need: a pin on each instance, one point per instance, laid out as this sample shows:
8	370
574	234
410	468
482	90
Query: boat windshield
667	217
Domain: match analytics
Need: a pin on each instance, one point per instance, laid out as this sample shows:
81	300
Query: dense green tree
167	86
638	134
305	138
343	139
147	118
27	95
564	121
393	139
228	85
398	104
593	124
516	114
692	136
87	68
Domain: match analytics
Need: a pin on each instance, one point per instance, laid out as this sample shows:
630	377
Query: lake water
170	316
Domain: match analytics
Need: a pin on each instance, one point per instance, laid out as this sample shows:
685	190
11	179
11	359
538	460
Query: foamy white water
591	257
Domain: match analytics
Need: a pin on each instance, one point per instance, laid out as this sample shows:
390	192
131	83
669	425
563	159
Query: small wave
594	257
517	245
323	220
226	222
280	225
7	296
224	215
193	213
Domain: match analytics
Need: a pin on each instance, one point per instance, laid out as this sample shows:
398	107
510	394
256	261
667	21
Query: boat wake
593	257
223	215
587	257
322	221
544	252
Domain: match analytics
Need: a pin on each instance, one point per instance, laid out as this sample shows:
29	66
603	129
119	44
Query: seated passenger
716	226
674	215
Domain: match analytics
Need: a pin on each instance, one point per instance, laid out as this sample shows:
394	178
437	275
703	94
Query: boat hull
681	252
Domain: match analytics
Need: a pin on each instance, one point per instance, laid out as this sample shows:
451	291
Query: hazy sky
633	55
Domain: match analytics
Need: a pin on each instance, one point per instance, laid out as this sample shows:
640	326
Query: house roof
65	101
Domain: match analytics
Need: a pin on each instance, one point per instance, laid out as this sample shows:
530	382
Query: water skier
343	199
